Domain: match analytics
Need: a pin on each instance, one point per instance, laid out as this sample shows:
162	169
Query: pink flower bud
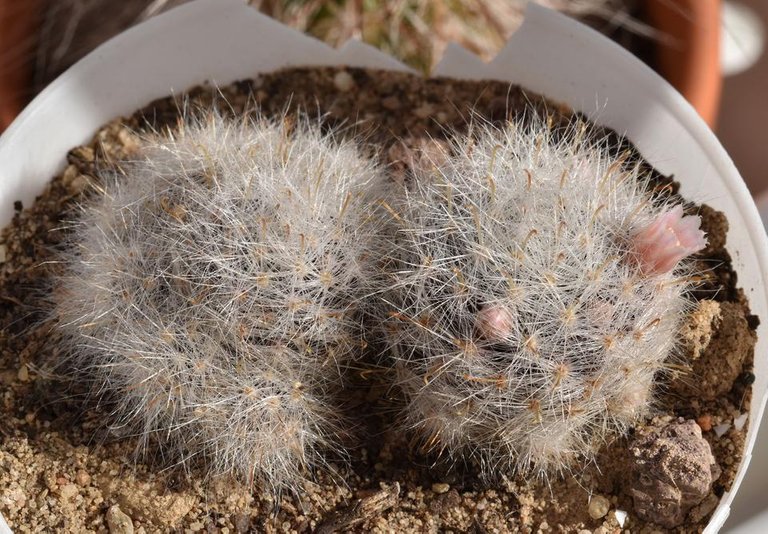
494	323
667	240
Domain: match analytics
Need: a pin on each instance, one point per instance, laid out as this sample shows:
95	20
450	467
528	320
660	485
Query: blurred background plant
415	31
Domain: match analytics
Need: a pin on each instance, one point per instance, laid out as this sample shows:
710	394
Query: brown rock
364	509
68	491
445	501
118	522
672	470
23	374
696	332
79	183
82	477
714	368
440	487
702	510
598	506
70	173
705	423
147	502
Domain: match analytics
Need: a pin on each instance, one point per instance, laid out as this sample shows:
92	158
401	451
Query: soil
62	470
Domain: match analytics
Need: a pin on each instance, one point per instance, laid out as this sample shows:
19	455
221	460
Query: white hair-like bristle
211	293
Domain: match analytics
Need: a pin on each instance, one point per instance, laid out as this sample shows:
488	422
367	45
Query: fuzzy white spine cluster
211	294
522	303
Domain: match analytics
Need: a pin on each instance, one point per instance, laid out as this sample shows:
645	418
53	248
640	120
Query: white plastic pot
225	40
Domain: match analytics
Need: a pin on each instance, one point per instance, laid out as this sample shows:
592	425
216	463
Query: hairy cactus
533	287
210	293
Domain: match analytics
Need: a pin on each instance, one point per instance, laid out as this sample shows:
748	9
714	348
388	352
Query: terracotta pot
688	54
18	27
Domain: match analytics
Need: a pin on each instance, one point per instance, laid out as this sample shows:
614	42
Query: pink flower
667	240
494	323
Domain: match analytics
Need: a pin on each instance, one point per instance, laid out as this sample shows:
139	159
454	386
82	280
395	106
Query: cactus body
210	294
519	309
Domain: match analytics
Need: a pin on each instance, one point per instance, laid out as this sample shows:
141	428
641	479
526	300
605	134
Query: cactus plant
209	293
532	289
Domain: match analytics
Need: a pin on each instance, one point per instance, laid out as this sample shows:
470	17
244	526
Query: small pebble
82	478
598	506
621	517
740	421
68	491
720	430
23	374
705	423
69	174
706	507
343	81
118	522
440	487
17	497
84	153
79	184
3	252
129	141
